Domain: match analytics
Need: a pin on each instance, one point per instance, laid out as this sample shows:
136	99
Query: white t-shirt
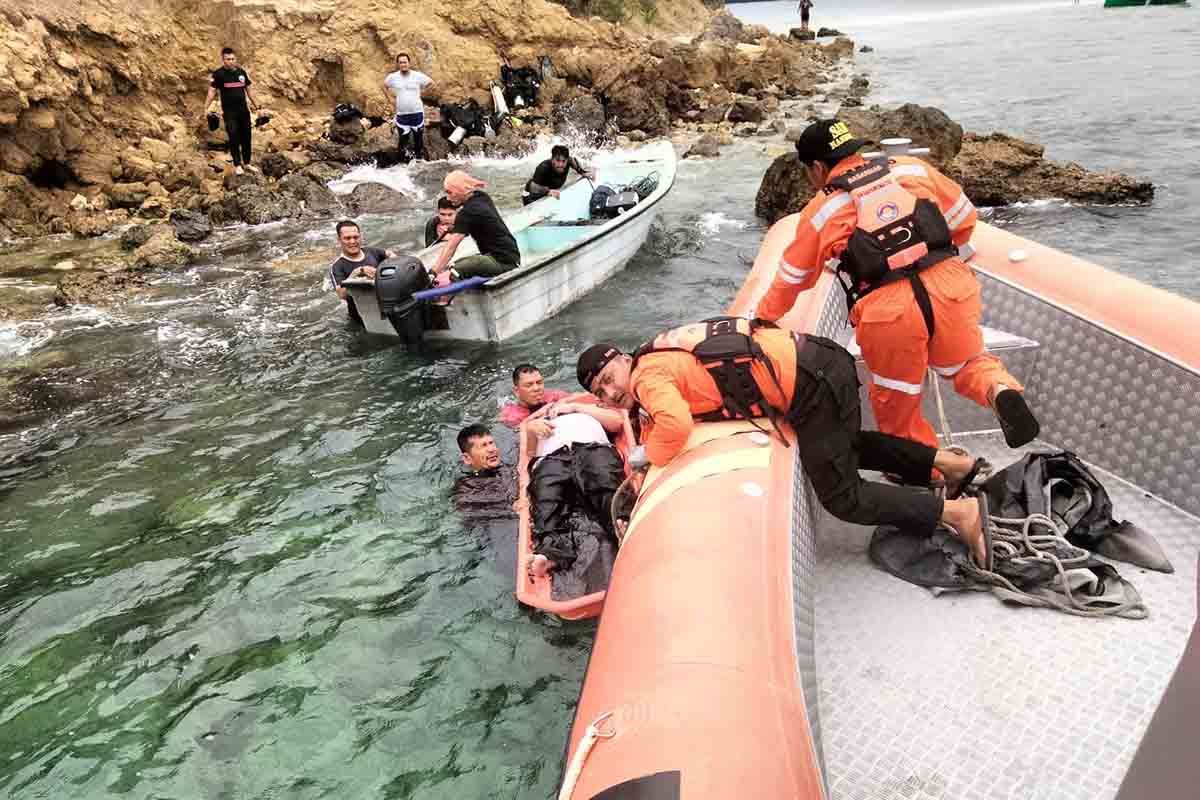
408	90
572	429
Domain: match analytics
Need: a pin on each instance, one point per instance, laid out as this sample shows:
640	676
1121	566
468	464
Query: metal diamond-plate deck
1104	397
962	697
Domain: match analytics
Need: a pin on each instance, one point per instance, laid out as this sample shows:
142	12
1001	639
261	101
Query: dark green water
228	563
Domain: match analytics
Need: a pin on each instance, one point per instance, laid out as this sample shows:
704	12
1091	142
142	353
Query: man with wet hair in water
551	175
531	395
439	224
354	261
485	495
237	98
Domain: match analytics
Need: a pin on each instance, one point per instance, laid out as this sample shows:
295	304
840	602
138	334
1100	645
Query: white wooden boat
564	255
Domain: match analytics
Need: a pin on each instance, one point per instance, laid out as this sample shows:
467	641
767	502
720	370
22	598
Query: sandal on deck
1017	421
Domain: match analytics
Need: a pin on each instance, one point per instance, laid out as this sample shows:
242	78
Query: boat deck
963	697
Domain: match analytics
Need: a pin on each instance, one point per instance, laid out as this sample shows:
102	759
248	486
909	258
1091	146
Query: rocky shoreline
166	191
994	169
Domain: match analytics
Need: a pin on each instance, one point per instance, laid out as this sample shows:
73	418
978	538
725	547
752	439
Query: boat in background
748	648
1125	3
566	251
540	592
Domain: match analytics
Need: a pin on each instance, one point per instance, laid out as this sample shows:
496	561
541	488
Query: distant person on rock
439	225
551	175
478	218
354	261
805	9
408	85
237	98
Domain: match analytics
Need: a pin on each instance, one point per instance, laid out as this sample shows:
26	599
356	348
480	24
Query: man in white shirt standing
407	85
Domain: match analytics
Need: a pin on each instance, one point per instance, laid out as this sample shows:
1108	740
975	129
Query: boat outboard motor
607	202
598	206
396	281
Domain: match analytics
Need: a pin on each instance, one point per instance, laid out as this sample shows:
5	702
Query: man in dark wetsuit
478	218
484	495
354	261
551	175
805	9
440	224
237	98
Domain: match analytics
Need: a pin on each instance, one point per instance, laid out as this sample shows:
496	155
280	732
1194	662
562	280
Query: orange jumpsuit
672	386
891	330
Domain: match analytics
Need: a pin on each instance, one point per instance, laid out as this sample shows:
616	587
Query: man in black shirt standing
551	175
355	261
234	86
478	218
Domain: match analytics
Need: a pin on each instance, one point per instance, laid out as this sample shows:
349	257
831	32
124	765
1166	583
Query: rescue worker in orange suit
896	227
732	368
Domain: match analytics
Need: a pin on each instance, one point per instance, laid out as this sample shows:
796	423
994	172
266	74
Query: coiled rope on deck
1038	538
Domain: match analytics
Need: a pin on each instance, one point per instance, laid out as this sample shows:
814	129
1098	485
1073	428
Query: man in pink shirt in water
531	394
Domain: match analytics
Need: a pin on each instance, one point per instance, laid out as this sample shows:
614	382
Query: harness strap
922	297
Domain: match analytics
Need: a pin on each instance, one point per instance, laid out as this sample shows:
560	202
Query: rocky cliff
100	102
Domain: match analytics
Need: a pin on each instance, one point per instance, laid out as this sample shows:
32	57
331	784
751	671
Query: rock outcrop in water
997	170
100	101
994	170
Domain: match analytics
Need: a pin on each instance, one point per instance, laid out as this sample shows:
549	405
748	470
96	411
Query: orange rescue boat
748	648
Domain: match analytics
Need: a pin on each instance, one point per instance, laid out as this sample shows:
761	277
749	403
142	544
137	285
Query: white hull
560	263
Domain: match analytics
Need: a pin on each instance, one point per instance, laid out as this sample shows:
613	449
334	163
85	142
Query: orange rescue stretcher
538	592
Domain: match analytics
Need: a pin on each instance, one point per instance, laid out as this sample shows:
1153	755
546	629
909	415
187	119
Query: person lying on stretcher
575	467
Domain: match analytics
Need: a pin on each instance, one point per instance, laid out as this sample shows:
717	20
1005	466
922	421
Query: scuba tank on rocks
498	102
396	281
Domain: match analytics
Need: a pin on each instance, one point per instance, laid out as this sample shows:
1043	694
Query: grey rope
1014	539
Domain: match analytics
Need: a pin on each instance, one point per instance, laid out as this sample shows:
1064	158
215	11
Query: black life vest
896	237
725	347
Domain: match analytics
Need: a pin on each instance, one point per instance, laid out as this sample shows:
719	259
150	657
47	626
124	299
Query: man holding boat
354	261
551	175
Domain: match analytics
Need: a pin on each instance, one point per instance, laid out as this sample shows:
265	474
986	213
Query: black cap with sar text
827	139
592	361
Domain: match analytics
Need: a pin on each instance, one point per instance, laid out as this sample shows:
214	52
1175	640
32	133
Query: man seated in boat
478	218
531	395
354	261
575	468
439	224
485	494
732	368
551	175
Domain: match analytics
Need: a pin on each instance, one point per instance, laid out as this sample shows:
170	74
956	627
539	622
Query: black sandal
1019	424
980	465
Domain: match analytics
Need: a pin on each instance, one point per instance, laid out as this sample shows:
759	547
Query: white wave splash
396	178
20	339
711	222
